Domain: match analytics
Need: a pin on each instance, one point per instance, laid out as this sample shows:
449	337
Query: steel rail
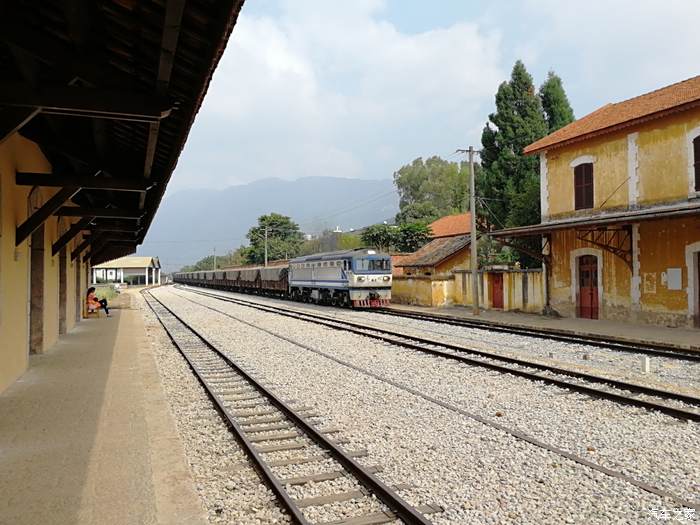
518	434
599	341
390	498
419	344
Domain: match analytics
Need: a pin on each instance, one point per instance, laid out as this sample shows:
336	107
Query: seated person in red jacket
93	303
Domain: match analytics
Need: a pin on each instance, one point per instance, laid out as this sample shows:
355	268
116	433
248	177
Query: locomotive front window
372	265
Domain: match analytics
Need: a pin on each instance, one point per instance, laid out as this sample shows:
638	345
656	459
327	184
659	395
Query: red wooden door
497	287
588	287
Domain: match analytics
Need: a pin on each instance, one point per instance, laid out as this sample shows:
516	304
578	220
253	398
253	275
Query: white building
130	269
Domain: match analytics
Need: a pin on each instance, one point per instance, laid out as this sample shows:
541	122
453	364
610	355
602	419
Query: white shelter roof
131	261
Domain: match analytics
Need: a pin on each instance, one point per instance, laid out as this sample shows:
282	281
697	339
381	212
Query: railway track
599	341
687	407
517	433
264	424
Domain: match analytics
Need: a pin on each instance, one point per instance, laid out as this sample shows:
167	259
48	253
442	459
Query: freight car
360	278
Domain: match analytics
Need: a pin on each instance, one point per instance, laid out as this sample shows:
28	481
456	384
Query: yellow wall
662	166
20	154
662	245
663	157
609	175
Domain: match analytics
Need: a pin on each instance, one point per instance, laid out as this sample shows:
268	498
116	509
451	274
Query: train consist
359	278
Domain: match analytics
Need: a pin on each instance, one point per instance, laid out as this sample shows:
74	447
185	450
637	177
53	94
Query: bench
87	313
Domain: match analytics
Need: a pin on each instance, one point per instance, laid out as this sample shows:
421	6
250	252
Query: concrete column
121	275
158	276
146	275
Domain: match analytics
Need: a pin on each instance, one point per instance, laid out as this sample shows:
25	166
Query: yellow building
620	203
91	126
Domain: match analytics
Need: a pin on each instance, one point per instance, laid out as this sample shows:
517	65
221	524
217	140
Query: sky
359	88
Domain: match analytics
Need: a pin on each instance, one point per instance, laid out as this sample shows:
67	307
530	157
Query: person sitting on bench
93	303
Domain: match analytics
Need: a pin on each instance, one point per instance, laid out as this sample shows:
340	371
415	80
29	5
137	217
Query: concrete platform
86	436
687	338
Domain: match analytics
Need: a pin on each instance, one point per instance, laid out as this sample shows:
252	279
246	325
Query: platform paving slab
687	338
86	435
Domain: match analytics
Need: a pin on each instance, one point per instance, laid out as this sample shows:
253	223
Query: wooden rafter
85	102
38	218
76	211
171	33
81	181
12	119
67	237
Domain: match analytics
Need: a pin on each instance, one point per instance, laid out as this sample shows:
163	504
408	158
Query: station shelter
620	210
133	270
96	104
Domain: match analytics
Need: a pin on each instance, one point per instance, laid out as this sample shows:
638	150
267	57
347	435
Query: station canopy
109	90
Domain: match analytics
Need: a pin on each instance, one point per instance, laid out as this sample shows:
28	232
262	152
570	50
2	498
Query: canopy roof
109	90
131	262
602	219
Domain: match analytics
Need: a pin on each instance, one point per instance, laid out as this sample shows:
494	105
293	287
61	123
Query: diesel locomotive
359	278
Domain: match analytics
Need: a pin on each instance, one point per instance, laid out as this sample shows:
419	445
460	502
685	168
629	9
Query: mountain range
191	224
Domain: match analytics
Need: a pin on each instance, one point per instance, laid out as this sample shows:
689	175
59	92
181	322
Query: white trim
690	137
573	263
691	265
544	188
583	159
632	170
635	281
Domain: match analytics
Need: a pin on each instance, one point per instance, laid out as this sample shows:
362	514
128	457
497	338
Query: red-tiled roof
434	252
451	225
611	117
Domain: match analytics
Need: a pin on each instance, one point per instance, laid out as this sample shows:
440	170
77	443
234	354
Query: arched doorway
587	304
587	282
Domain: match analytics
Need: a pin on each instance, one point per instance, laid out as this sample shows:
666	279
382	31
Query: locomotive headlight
360	279
386	277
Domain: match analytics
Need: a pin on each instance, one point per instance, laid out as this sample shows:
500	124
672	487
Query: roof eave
611	129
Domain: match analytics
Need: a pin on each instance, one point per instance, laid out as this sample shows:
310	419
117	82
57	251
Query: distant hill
191	223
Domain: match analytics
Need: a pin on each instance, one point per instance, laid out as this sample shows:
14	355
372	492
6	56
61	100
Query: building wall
20	154
662	250
642	166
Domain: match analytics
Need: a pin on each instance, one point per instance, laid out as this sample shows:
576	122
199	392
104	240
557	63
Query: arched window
583	186
696	161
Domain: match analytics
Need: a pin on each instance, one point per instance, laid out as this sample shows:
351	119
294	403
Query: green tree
411	236
555	103
380	236
429	189
284	239
509	181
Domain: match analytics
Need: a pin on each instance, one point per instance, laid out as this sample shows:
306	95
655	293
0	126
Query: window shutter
583	186
696	158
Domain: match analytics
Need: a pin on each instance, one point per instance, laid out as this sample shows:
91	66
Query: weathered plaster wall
616	274
20	154
609	175
662	247
663	158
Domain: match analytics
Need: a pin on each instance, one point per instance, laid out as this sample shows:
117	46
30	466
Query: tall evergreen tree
509	181
555	103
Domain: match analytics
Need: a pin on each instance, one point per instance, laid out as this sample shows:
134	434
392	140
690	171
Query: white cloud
328	90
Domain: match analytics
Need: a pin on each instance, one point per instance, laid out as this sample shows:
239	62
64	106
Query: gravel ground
672	374
230	489
480	474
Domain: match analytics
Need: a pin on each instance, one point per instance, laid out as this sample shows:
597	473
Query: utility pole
472	209
474	256
214	258
266	246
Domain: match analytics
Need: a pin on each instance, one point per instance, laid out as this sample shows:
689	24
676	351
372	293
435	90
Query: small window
583	186
696	165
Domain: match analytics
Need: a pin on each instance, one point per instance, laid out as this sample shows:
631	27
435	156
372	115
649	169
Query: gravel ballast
479	474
